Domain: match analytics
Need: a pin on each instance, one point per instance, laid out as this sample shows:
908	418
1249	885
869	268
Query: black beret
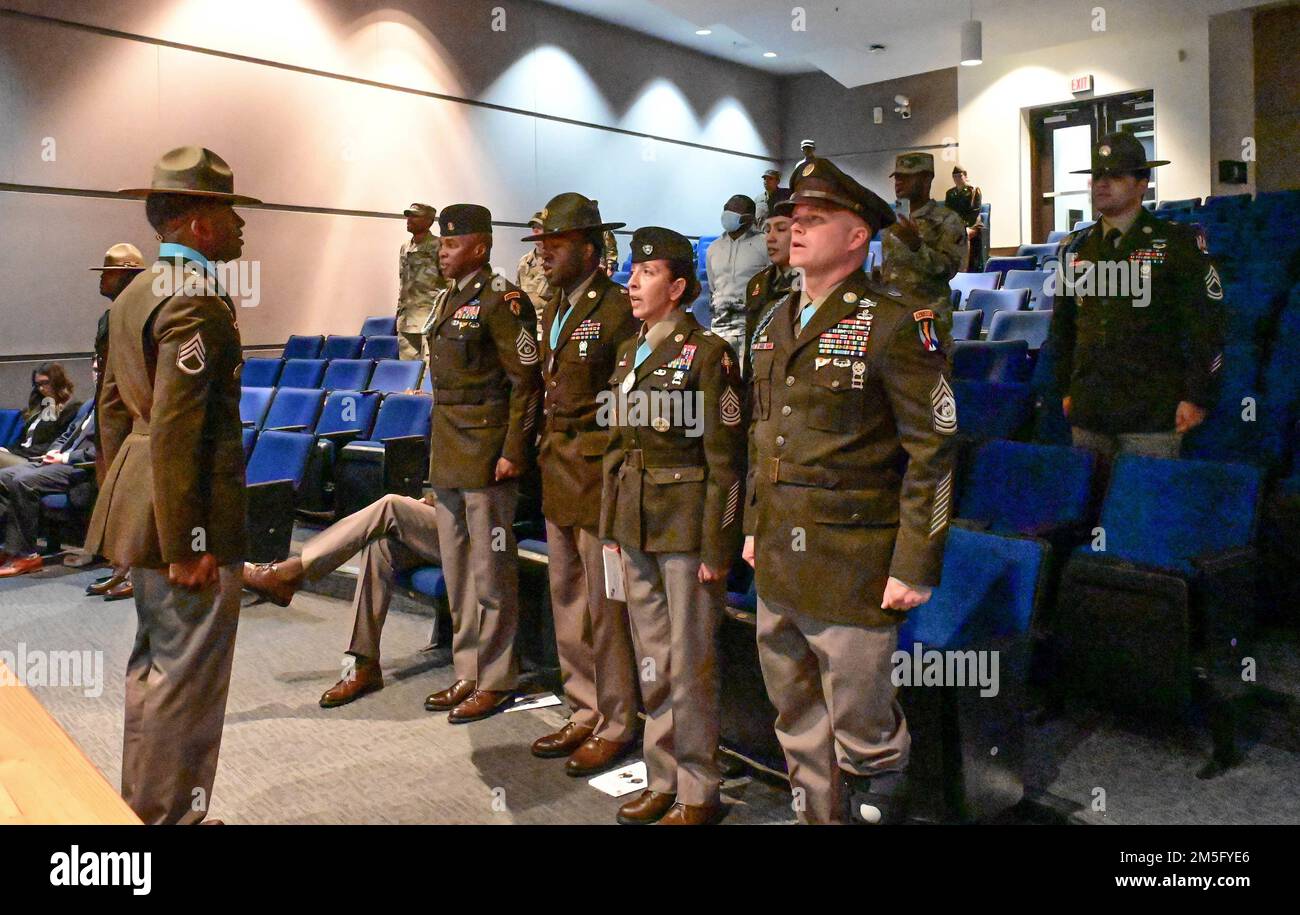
465	219
822	182
653	243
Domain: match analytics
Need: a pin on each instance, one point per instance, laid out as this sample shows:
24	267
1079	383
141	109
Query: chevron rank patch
943	406
192	357
942	500
1213	285
729	406
526	346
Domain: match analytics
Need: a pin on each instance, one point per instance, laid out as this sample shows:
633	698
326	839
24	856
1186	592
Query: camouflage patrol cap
1118	153
654	243
421	209
821	182
913	163
122	256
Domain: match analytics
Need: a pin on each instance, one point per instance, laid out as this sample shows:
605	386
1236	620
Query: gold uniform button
835	384
785	411
552	384
789	381
780	439
677	476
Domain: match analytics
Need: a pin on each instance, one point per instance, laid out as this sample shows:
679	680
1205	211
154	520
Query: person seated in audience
670	509
1139	354
22	487
965	199
731	260
50	409
773	283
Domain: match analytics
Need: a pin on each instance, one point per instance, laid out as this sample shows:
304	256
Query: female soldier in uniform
671	503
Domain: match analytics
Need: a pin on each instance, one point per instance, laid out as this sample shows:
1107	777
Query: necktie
642	354
805	316
1113	237
558	325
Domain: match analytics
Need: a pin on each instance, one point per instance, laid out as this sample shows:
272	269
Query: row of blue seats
387	375
338	346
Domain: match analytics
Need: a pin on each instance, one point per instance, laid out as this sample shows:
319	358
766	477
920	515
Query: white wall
1140	49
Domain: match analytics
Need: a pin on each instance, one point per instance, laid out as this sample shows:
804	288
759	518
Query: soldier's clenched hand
747	551
707	574
506	470
899	596
1188	416
195	573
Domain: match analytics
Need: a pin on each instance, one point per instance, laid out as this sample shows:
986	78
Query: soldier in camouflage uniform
926	248
420	280
531	276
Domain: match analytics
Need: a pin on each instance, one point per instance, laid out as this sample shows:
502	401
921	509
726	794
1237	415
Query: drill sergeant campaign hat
570	213
913	163
122	256
1118	154
821	182
194	171
421	209
465	219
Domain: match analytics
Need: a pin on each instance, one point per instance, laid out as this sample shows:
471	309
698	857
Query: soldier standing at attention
851	477
1137	366
172	505
584	323
966	200
483	370
773	283
924	249
420	280
671	503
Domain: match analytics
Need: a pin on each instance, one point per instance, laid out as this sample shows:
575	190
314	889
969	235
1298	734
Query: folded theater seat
394	460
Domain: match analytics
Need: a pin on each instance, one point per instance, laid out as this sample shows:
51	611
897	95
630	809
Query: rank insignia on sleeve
729	407
526	346
192	356
943	405
1213	286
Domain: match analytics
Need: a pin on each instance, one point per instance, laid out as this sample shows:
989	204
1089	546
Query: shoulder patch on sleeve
192	357
925	329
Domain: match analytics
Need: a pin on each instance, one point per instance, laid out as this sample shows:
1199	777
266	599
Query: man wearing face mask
732	260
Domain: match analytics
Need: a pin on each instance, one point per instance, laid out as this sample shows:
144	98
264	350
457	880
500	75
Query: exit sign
1081	84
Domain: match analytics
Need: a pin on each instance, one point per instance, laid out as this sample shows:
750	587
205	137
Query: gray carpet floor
384	759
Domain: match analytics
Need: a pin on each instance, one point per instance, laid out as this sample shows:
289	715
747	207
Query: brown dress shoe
447	699
104	585
366	678
482	703
271	582
562	742
21	565
693	815
596	755
645	808
124	591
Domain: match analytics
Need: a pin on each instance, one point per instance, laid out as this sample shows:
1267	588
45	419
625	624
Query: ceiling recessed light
704	31
769	53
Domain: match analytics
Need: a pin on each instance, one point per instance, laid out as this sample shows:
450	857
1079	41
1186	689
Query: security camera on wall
904	106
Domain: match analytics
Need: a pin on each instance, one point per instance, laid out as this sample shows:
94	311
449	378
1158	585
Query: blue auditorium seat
1083	224
1030	326
702	311
995	360
303	347
394	459
426	580
1001	265
988	409
965	283
294	410
347	375
991	301
11	422
253	404
302	373
1033	280
338	346
1154	613
272	477
702	248
380	347
1187	205
379	326
622	277
1031	490
260	373
1043	254
1056	236
982	609
534	545
396	375
250	439
966	324
346	417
